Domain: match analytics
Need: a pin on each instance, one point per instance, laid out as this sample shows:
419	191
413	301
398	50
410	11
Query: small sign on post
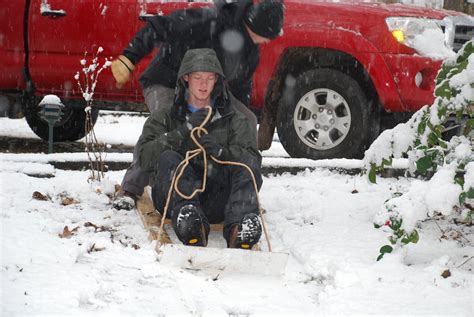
51	112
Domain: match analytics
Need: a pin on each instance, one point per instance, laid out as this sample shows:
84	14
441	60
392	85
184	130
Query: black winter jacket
218	27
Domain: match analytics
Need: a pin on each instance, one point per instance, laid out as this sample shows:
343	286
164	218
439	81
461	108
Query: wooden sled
215	257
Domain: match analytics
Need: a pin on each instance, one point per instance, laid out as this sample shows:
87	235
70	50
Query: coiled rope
195	133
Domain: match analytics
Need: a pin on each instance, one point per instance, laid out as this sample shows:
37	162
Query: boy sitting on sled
229	194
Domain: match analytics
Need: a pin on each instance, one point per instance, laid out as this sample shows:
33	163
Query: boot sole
249	233
191	229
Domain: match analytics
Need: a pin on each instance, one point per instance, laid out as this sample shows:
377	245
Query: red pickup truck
339	68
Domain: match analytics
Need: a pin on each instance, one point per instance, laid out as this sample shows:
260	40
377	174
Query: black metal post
50	138
51	112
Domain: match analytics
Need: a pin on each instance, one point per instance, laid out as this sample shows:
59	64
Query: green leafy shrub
449	163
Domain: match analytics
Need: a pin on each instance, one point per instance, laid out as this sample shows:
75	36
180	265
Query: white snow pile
65	251
394	141
28	168
51	99
469	176
425	198
431	43
45	7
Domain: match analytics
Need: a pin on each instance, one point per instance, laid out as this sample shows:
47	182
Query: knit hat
265	18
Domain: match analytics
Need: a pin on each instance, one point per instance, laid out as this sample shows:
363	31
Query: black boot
190	226
245	234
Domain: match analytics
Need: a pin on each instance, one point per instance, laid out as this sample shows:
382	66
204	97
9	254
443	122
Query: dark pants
229	194
135	179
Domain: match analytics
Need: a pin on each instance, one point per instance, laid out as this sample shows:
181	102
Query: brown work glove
122	68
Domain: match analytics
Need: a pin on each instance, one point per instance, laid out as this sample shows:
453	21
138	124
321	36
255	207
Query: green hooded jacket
163	130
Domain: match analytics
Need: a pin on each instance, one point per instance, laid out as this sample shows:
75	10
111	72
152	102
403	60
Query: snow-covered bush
87	81
451	164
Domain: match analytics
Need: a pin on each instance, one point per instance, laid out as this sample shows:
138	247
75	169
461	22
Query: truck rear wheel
71	127
326	115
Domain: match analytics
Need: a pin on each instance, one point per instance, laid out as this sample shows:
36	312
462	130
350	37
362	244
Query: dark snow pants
135	180
229	194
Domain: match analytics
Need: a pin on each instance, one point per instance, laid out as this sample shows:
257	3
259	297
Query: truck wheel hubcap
322	119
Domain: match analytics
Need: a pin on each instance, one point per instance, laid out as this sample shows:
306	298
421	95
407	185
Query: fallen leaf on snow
446	273
39	196
69	201
68	233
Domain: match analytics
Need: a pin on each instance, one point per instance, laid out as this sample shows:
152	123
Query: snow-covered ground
323	219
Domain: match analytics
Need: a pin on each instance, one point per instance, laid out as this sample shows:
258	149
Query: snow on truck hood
374	8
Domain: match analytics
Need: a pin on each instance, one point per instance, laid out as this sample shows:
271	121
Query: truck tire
325	115
71	127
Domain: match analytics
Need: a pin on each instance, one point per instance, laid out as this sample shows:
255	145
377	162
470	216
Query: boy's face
200	86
